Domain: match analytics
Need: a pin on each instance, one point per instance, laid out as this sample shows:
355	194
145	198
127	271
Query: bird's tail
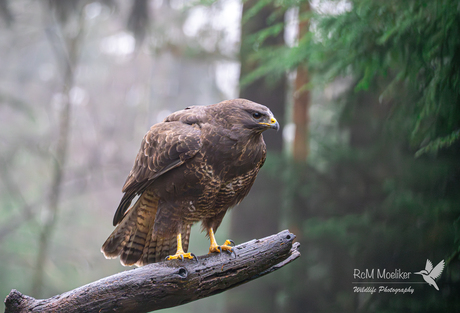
133	240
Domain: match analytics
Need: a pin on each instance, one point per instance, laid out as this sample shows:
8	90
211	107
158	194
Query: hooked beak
273	124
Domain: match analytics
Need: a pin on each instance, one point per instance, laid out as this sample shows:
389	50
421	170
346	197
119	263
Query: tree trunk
259	212
297	204
263	90
66	48
300	117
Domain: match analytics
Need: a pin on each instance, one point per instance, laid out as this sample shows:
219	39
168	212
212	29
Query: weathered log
170	283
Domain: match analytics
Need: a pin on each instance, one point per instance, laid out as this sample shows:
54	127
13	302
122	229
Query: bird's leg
227	246
180	254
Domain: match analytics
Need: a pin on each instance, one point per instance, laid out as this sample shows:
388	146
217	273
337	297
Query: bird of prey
192	167
429	274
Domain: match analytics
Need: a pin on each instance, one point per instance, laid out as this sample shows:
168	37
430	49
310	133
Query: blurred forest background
365	171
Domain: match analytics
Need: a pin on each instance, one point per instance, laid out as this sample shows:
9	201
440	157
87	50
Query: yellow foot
227	246
181	255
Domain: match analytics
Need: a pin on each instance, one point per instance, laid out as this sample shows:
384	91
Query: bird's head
245	114
422	272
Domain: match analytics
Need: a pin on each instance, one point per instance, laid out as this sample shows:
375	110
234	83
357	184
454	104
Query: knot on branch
16	301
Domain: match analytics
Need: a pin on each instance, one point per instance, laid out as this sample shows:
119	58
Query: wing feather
165	146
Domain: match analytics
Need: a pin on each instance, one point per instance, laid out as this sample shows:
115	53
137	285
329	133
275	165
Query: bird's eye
256	115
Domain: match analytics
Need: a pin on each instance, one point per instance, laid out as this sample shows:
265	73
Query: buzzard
192	167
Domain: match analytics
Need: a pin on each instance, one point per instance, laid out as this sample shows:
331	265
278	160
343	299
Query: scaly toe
215	249
181	256
225	247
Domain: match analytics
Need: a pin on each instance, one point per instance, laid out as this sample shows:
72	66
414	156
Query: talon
233	253
219	249
227	246
181	255
194	257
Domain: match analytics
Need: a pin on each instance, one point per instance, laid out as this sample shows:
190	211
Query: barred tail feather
114	245
133	239
129	238
133	249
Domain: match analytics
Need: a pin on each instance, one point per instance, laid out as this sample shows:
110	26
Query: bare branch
26	212
171	283
69	51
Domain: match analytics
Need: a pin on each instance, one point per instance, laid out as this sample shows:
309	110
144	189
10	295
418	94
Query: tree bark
265	199
167	284
263	90
300	116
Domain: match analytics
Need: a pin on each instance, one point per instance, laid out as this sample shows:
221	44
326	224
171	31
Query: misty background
364	170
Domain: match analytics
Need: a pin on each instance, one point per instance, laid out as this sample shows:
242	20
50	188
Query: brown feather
192	167
152	162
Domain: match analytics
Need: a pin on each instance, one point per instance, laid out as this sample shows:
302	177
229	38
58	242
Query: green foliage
439	143
375	208
375	205
416	43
